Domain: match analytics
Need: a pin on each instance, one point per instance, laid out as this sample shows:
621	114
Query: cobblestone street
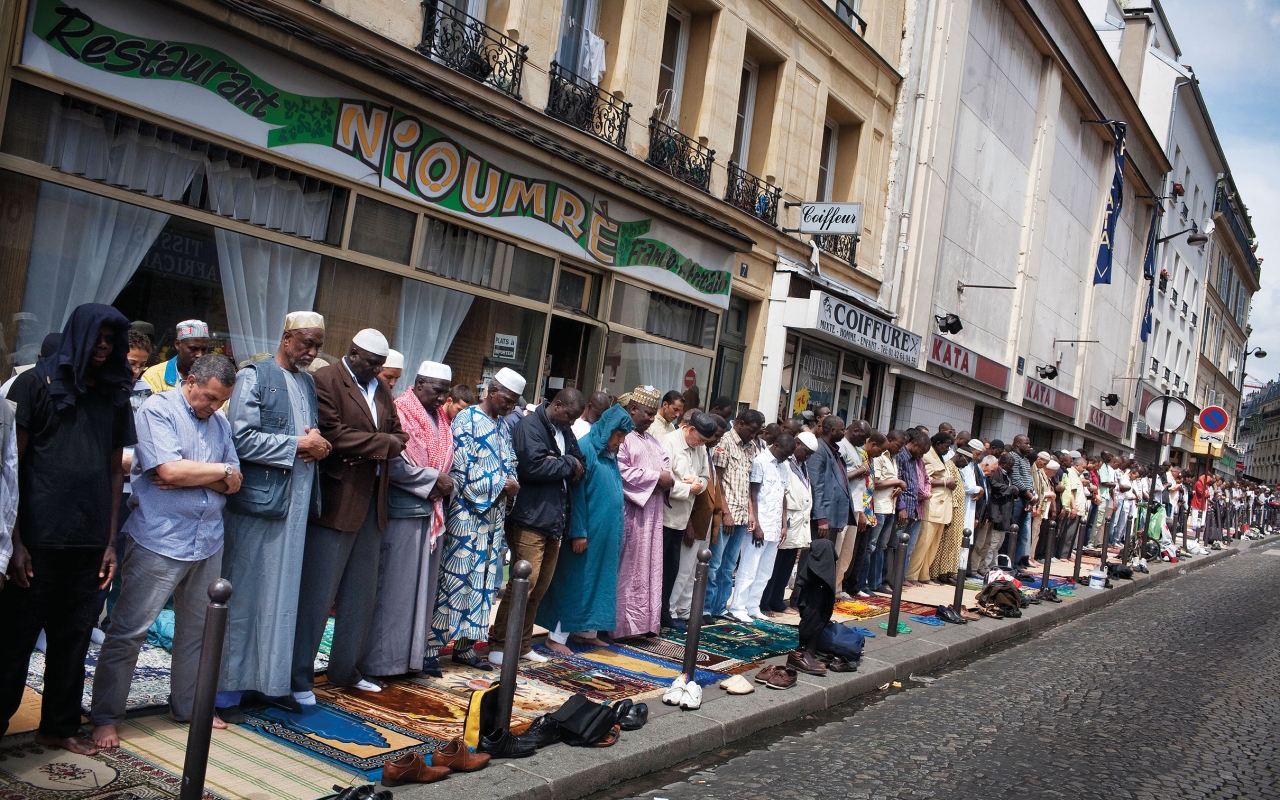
1169	694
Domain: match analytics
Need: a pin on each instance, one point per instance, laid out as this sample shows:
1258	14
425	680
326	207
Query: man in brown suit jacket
340	562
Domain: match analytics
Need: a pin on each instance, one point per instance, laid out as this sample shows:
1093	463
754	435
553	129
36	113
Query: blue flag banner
1149	269
1102	273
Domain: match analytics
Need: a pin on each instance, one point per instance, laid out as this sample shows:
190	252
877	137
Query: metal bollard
518	596
1048	528
200	732
1082	539
1126	548
899	577
962	568
694	631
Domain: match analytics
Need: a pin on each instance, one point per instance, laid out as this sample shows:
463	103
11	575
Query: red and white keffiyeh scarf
428	446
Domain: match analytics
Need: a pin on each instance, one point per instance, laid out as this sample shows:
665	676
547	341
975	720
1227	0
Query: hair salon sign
152	57
856	327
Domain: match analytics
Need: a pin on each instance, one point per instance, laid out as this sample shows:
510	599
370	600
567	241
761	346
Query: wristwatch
227	470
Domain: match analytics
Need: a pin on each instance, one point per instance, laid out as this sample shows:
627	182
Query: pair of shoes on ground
737	684
800	661
777	677
413	768
683	692
948	614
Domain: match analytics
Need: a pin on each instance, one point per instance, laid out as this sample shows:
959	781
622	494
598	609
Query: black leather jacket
545	475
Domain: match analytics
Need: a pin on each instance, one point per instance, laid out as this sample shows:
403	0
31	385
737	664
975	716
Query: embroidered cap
646	396
192	329
301	320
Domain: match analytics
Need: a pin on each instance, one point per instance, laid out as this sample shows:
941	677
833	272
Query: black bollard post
200	732
1106	543
1082	539
696	606
962	568
1126	548
518	596
899	577
1048	531
1182	523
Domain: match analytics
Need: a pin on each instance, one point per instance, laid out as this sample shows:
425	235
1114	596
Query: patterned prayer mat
149	688
27	717
351	740
749	643
673	652
635	664
533	698
326	644
34	772
874	606
243	765
573	674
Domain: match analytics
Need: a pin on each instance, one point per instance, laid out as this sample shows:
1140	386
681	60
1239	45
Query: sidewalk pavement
672	735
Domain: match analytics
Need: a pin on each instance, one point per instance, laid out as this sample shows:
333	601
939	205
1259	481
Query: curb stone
672	736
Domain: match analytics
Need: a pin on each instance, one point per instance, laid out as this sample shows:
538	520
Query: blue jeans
913	530
724	559
876	547
1024	540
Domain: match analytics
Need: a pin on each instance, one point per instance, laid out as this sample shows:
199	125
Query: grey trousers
146	581
341	567
986	547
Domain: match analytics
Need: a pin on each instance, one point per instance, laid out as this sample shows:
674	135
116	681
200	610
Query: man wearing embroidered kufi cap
191	340
275	426
340	560
392	370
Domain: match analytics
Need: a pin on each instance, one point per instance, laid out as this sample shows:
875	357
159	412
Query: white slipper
691	697
672	695
736	684
366	686
305	698
535	657
495	657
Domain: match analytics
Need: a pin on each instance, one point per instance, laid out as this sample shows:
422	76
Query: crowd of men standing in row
312	489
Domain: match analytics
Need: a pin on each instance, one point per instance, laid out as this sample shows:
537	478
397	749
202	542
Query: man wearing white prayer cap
275	425
358	417
392	369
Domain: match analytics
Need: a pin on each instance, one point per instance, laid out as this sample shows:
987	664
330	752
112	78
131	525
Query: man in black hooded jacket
73	422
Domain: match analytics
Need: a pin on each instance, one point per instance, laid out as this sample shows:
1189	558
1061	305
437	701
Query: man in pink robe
646	476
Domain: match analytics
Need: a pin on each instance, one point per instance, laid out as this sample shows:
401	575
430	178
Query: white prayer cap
1074	454
1053	466
808	440
299	320
510	379
395	360
434	369
371	341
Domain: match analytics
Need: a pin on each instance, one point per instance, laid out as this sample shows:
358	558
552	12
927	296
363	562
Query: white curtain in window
272	202
430	317
84	249
660	367
262	282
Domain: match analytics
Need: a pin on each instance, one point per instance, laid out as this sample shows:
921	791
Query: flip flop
866	633
474	661
902	627
931	621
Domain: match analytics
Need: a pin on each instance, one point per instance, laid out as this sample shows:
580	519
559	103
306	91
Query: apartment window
827	160
746	107
581	51
675	50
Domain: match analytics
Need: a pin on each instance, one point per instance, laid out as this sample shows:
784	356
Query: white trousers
682	590
755	567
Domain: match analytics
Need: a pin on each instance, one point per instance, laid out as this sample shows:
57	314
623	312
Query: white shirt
368	390
689	462
774	477
971	489
580	428
8	493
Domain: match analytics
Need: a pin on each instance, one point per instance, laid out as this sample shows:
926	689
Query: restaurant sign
152	57
857	328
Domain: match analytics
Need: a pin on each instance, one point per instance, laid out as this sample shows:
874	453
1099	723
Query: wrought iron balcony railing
587	107
1224	205
843	246
466	45
679	156
752	195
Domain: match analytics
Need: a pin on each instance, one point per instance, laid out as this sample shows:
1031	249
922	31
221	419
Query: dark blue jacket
830	483
545	475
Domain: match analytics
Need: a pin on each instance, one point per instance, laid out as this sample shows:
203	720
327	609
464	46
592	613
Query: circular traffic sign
689	379
1213	419
1174	414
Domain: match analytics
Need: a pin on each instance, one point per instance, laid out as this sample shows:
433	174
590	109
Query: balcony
1223	204
576	101
1184	309
1155	366
844	11
752	195
1173	298
466	45
679	156
843	246
1194	319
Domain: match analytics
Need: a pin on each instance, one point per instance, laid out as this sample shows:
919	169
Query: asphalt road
1172	693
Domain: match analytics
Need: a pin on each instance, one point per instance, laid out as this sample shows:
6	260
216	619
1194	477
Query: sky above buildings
1234	48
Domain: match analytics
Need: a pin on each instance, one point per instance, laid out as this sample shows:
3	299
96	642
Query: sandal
902	627
471	660
610	738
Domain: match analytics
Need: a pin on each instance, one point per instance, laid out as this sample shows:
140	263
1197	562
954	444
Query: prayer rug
351	740
874	606
750	643
576	675
27	717
533	698
326	644
673	652
243	765
148	689
641	665
34	772
1033	582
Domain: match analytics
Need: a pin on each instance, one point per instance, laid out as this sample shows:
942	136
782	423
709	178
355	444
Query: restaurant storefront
162	165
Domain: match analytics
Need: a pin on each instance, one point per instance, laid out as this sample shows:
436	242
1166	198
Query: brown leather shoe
765	673
411	768
801	661
781	678
458	758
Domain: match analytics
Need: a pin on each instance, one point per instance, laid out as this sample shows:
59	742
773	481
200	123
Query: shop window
474	335
383	230
630	361
1041	436
663	315
578	291
95	142
461	254
815	378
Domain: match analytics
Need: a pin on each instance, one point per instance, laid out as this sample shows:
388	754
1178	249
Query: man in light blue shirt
184	465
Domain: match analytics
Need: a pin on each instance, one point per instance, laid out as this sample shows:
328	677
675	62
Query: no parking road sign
1213	419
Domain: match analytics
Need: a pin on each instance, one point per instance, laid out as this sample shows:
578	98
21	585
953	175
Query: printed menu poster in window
815	379
504	346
